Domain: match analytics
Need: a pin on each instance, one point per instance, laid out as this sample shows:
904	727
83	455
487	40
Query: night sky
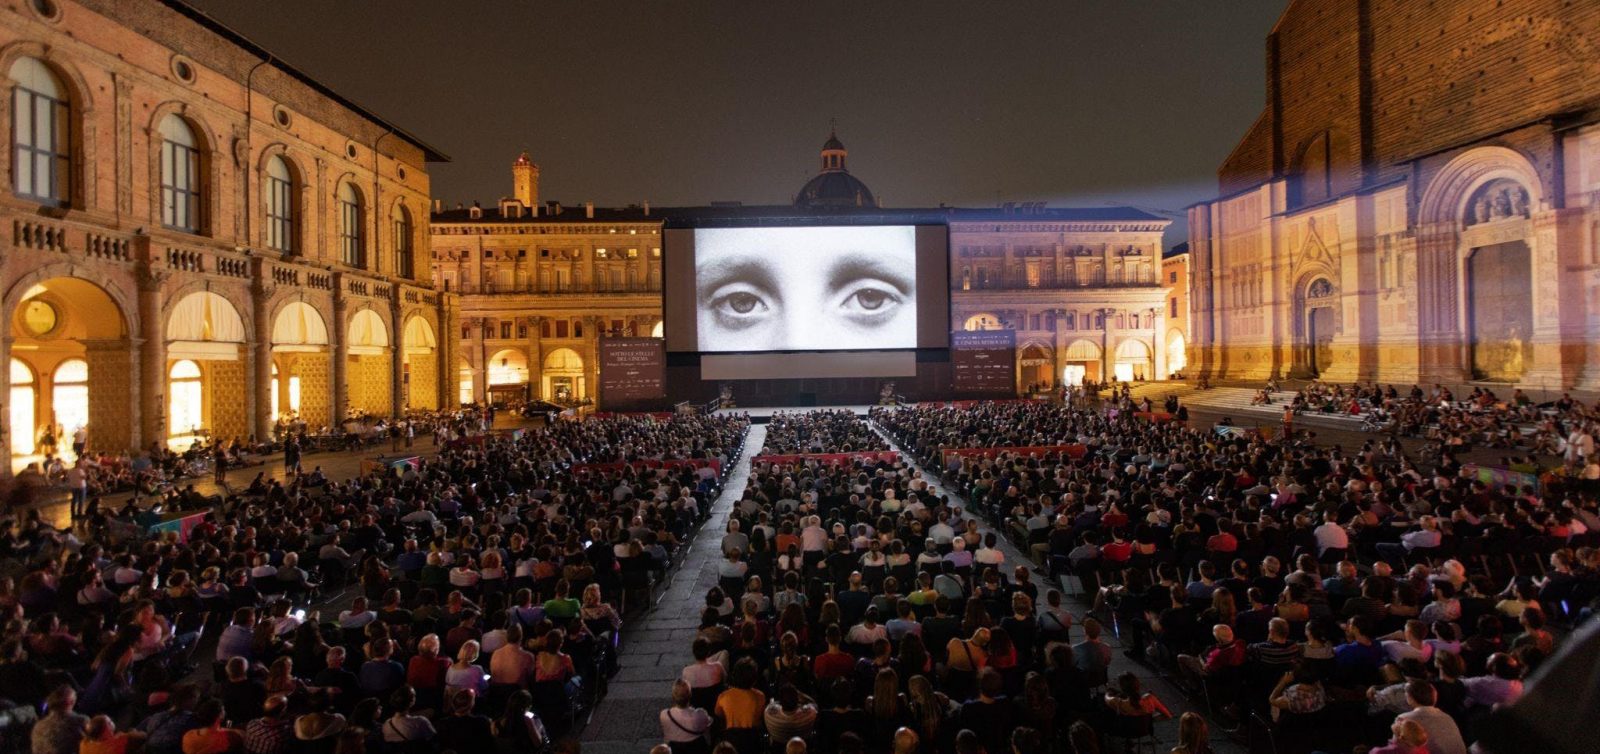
971	103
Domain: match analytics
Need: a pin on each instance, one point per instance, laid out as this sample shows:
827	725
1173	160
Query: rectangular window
561	328
577	329
280	217
1172	277
616	326
1173	305
351	250
41	163
522	331
180	187
466	333
402	246
505	330
544	329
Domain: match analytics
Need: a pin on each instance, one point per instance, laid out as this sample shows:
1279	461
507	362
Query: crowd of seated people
1564	427
823	431
857	609
1332	599
487	586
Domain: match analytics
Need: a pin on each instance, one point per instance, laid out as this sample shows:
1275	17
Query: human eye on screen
869	300
738	305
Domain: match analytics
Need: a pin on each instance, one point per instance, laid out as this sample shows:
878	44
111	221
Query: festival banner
1497	477
632	370
984	361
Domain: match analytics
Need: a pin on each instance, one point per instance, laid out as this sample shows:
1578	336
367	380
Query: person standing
78	485
291	456
80	440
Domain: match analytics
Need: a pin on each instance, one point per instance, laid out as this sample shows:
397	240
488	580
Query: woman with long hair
930	713
1194	736
886	709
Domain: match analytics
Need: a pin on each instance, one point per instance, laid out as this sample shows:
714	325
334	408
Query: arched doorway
1133	361
69	398
301	365
659	331
508	376
1036	367
71	367
186	404
206	330
1500	311
1177	355
420	381
1082	362
367	375
1319	310
563	376
24	408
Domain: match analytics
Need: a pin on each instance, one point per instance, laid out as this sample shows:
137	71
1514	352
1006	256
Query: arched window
186	409
405	262
352	247
280	205
180	176
40	122
69	395
24	399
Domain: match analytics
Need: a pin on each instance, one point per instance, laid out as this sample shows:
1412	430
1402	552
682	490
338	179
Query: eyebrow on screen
719	272
854	266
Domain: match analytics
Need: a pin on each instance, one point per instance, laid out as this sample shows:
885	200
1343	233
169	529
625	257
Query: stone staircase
1234	402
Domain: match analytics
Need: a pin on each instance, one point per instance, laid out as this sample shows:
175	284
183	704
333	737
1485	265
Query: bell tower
525	181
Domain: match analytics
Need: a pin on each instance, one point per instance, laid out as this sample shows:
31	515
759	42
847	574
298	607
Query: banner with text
632	370
984	361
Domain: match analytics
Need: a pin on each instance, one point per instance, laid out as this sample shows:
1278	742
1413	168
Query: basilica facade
1419	201
540	281
199	239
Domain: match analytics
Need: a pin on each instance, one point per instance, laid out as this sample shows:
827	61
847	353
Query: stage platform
760	414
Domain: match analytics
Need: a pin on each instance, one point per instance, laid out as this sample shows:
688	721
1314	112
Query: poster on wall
632	370
984	361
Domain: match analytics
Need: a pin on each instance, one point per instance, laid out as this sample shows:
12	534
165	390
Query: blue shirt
1357	654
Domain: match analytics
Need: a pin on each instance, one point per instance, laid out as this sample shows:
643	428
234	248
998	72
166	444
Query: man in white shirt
941	533
1444	736
1330	535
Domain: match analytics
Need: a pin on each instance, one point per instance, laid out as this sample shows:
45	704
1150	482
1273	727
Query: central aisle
655	646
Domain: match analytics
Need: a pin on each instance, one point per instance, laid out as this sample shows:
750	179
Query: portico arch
368	366
1081	360
421	377
71	332
302	369
563	377
205	331
1133	361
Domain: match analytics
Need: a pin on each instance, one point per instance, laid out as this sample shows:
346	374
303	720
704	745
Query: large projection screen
807	290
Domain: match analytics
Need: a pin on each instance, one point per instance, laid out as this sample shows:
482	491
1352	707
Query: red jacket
1225	656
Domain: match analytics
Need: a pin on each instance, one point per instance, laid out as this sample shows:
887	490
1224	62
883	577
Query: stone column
340	354
261	353
5	413
398	399
152	359
449	350
1158	351
1555	247
591	356
536	358
1107	356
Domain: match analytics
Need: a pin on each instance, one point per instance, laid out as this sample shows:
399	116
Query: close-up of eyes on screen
805	289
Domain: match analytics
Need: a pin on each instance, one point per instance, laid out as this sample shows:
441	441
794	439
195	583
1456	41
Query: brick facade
1402	146
123	67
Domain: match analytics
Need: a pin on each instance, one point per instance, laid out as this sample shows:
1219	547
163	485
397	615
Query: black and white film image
806	289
